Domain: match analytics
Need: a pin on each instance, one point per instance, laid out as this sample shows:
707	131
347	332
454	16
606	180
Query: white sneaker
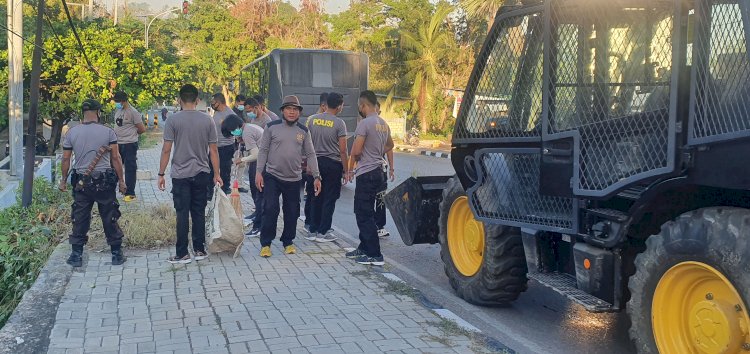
326	238
383	233
199	256
183	260
311	236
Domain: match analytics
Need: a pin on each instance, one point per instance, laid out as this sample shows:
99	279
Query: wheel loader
618	174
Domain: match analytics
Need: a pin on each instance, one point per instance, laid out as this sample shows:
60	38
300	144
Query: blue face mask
251	115
118	105
240	108
237	132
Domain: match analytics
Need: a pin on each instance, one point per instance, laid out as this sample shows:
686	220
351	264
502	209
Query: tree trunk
225	92
421	102
54	139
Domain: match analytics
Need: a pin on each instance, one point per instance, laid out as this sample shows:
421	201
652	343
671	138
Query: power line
51	27
78	39
27	40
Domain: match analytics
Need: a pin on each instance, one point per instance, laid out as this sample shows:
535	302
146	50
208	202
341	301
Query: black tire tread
719	236
502	276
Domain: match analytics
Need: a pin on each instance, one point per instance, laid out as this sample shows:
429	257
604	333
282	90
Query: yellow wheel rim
465	238
696	309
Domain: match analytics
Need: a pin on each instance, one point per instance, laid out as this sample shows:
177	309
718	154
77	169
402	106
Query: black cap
91	105
120	96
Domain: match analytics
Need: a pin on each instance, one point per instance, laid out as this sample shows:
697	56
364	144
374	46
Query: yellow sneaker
129	198
265	251
290	249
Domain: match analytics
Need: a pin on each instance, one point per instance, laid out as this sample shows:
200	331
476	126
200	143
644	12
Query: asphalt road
541	321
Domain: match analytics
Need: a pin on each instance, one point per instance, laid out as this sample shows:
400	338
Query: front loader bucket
415	208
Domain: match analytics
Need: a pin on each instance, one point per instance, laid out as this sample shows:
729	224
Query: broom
235	196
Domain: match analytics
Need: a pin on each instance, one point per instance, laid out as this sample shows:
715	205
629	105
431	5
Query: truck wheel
485	264
691	287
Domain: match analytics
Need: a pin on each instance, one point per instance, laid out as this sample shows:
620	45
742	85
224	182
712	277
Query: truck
618	174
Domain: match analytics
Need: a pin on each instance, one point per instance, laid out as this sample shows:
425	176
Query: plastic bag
224	229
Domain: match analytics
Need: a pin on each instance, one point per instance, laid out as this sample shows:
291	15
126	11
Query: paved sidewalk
316	301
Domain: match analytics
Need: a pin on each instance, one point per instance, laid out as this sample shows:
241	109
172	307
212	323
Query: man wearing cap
373	141
194	137
128	126
328	134
262	101
97	173
279	172
226	145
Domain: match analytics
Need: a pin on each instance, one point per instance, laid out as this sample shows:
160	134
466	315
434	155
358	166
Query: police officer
129	125
279	172
373	141
226	144
328	134
307	179
96	173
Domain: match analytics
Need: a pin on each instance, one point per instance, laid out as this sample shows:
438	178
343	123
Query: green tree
119	62
214	46
485	9
427	50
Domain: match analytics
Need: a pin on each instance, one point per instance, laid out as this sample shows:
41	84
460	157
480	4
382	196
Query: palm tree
425	50
483	9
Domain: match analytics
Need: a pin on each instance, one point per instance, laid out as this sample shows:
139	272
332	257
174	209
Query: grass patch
479	342
149	139
143	229
400	288
27	238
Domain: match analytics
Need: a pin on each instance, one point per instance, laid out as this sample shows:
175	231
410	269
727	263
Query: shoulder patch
302	126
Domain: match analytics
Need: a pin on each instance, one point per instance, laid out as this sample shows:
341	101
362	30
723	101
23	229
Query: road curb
29	327
445	155
404	149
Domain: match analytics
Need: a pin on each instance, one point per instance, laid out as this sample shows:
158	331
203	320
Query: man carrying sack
193	135
96	174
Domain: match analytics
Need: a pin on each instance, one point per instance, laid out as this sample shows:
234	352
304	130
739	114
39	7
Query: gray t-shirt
85	140
218	118
376	132
326	129
125	121
282	148
191	133
262	120
251	135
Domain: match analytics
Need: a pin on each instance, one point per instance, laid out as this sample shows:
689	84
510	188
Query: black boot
117	257
76	256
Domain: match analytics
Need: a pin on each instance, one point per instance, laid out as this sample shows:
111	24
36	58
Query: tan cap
291	101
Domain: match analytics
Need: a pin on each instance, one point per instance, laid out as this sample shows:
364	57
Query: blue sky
330	6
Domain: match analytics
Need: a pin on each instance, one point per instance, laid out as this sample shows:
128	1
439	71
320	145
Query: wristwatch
161	174
317	177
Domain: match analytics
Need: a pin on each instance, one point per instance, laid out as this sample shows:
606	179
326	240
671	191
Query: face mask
251	115
237	132
118	105
241	108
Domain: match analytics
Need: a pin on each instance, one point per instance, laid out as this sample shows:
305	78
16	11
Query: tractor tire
693	271
501	277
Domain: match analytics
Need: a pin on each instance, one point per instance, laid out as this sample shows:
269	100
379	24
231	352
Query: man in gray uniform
255	114
372	142
128	126
328	134
226	145
96	174
262	101
251	136
279	172
193	135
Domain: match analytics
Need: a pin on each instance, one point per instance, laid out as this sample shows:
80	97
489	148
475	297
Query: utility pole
115	12
91	9
36	71
15	86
